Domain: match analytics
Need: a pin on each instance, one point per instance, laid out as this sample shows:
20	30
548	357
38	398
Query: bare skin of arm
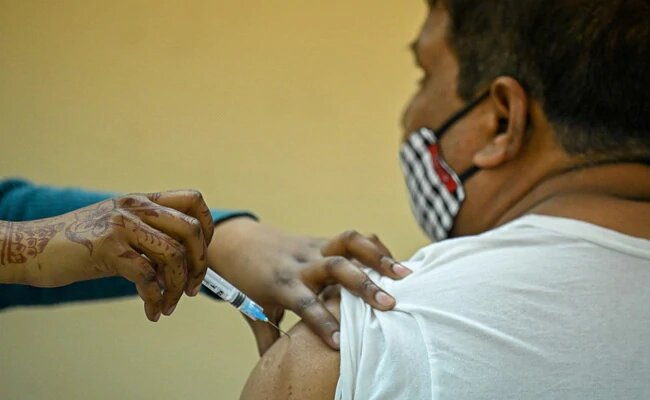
300	367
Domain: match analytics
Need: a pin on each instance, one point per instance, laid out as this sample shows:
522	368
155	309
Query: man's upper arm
300	367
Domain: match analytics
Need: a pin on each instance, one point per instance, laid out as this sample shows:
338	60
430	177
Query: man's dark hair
586	61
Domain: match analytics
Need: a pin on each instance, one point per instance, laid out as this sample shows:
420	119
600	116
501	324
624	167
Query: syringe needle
235	297
278	328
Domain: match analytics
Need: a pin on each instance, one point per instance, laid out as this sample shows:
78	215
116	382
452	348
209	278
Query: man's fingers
340	270
166	254
351	244
138	269
188	232
314	313
188	202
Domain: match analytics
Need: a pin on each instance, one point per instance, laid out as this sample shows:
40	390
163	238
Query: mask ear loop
460	114
453	119
469	173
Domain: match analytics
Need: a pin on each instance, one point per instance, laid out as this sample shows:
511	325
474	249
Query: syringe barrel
252	310
232	295
222	288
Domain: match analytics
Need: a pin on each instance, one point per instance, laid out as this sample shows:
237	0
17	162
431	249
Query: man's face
436	99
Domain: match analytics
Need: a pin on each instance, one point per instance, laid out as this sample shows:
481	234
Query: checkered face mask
436	190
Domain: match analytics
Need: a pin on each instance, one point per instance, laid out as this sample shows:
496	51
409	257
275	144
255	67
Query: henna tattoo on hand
21	241
95	222
91	223
155	196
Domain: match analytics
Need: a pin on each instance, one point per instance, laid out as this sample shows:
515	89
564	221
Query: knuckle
174	284
108	242
179	253
305	303
142	267
154	196
195	195
367	285
147	274
176	288
128	199
123	219
301	257
116	217
350	235
334	263
198	274
194	225
284	277
182	251
328	325
181	275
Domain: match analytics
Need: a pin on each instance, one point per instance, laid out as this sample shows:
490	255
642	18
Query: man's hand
158	241
281	271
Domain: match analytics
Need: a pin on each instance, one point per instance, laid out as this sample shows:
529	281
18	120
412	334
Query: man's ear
510	109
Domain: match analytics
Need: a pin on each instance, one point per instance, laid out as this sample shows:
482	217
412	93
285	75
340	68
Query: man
543	180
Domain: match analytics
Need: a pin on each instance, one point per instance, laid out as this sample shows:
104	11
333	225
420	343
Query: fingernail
401	270
170	310
336	338
196	290
156	317
384	299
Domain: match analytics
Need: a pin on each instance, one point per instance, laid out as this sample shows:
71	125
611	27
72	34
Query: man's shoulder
533	238
523	238
534	250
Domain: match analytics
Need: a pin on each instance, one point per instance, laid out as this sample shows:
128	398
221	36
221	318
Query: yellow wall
288	108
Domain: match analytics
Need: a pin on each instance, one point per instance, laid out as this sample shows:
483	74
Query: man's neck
615	196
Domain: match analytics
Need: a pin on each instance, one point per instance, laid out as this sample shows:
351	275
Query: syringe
234	296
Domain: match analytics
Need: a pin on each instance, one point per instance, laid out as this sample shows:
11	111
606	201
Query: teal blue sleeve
23	201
